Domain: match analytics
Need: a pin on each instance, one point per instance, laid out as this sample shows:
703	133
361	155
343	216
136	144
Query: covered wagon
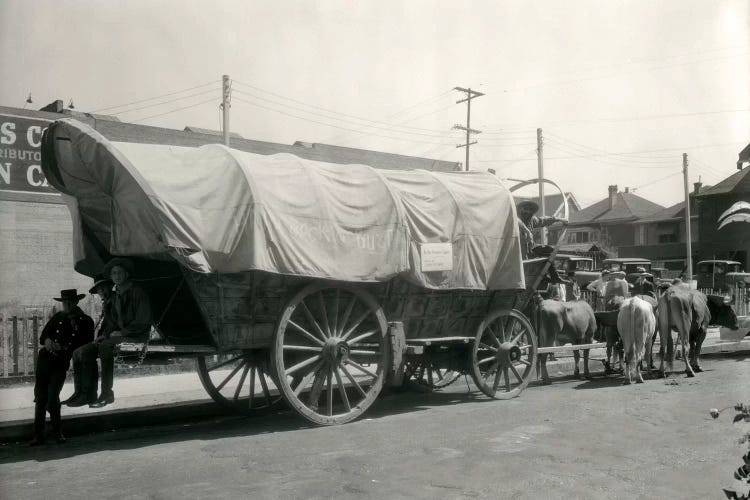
313	282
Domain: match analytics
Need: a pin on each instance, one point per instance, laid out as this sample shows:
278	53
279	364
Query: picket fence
20	328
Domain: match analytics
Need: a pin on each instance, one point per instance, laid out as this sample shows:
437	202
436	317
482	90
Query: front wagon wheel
504	354
330	352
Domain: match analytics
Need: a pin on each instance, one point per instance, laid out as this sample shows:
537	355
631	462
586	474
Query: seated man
527	221
131	322
85	384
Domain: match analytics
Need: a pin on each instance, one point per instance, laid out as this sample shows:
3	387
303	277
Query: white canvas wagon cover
217	209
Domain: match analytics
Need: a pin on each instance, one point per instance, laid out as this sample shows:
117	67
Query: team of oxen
638	320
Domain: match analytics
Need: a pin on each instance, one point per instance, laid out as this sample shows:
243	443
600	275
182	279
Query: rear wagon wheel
330	352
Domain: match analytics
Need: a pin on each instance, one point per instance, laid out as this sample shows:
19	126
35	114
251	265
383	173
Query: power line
157	97
165	102
329	111
173	111
294	108
239	99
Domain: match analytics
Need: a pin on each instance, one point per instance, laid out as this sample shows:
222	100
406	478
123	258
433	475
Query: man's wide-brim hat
70	294
641	269
100	280
126	264
528	204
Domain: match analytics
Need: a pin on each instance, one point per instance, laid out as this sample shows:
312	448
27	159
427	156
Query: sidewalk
163	399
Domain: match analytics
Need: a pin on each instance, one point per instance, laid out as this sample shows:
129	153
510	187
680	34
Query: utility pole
688	236
226	87
540	175
470	94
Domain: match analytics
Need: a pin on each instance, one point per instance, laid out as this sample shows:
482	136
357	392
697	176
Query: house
730	240
599	230
661	237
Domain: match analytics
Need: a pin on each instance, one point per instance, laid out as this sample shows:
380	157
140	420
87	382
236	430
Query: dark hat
71	294
100	279
640	269
527	203
605	271
126	264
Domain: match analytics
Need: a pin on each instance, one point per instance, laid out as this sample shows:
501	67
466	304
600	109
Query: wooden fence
740	299
20	328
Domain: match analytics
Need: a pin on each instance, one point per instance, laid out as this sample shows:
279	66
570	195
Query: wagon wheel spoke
317	388
229	377
302	364
515	371
307	334
264	385
242	381
489	348
342	391
507	379
335	328
251	390
353	381
302	348
361	368
306	379
523	361
486	360
225	363
356	324
496	382
362	337
312	320
329	392
347	313
493	336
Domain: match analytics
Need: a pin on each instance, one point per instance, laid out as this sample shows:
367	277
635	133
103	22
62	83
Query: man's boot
56	420
40	415
77	383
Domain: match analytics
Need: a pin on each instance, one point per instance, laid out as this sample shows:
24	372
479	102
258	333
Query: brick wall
36	254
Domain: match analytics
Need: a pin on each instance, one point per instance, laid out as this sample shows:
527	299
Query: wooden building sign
21	155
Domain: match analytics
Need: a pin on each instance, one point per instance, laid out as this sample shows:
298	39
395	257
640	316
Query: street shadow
207	428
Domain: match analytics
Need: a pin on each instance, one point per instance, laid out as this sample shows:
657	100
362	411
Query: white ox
636	323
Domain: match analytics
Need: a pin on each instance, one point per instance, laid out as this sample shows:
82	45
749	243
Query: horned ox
636	324
689	312
565	322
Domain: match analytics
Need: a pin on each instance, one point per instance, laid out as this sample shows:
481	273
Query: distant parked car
722	275
577	268
629	265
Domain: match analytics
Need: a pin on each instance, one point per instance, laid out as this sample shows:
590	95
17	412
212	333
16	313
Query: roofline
719	260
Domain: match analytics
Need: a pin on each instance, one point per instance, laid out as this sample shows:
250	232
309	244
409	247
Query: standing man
64	333
86	374
616	291
131	322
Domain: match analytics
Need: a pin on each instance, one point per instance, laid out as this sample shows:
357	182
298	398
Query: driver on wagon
527	222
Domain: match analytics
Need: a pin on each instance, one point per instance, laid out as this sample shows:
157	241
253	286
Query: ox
636	324
690	312
565	322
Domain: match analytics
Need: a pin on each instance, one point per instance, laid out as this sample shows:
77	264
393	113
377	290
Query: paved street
574	439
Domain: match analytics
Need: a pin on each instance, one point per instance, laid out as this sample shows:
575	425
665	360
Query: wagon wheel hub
508	353
335	350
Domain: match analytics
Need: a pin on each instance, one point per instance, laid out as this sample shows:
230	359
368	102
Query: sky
620	89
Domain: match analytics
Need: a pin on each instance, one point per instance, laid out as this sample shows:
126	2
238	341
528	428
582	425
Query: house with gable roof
600	230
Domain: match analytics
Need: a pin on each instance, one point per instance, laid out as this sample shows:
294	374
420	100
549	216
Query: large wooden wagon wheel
239	380
504	354
330	352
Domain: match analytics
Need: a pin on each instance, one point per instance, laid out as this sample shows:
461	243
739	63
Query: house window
580	237
668	232
641	235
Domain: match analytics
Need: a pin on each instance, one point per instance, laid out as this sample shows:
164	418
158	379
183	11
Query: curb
77	425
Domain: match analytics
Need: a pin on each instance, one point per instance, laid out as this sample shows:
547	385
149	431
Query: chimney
697	187
54	107
612	195
627	189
